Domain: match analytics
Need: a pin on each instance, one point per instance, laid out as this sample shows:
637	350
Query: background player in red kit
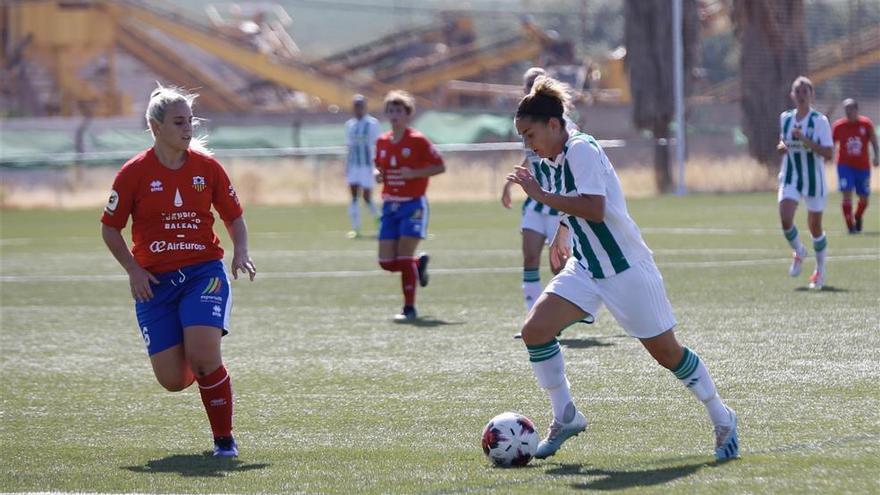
404	161
175	269
852	134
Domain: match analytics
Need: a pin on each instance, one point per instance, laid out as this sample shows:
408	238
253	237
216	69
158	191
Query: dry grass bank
303	181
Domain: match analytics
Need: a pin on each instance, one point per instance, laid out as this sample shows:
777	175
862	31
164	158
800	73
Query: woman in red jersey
404	160
175	269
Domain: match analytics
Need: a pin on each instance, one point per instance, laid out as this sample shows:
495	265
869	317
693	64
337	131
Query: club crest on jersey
156	186
199	183
112	202
406	152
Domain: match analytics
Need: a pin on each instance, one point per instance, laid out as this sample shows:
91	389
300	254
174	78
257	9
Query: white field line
434	271
18	241
371	253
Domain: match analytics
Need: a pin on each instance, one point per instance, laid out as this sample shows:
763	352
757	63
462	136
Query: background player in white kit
610	265
539	221
804	143
361	133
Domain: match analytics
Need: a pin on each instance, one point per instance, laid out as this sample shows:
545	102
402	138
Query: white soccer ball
510	439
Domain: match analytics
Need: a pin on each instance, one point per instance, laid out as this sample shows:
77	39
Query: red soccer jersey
172	223
853	138
414	151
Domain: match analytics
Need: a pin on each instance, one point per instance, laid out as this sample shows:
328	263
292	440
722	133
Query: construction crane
849	53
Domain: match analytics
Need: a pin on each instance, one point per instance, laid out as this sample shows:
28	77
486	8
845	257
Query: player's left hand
241	261
523	176
407	173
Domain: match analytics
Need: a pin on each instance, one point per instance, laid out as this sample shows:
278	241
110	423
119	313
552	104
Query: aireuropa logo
164	246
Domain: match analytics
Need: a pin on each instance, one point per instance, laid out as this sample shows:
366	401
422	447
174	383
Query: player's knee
175	383
388	265
535	333
203	363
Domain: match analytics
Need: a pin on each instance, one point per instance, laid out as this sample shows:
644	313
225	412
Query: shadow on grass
583	343
195	465
429	322
608	480
825	288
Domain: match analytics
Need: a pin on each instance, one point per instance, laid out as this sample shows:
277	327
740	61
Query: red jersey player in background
404	161
175	268
852	134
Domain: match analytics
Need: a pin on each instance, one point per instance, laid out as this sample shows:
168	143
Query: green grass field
332	397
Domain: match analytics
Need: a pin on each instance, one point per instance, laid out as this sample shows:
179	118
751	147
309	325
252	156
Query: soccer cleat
853	230
423	269
353	234
225	447
796	262
408	314
817	280
559	433
726	442
858	224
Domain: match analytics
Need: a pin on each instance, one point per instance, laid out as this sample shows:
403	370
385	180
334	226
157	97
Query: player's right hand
560	250
139	280
505	197
782	148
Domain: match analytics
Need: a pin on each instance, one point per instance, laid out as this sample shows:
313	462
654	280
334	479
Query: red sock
847	213
409	275
389	265
216	390
861	207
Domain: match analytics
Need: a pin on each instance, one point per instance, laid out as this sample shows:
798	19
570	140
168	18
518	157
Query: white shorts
541	223
636	298
814	203
360	175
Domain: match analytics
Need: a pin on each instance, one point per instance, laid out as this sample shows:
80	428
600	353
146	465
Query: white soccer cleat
559	433
797	262
726	441
817	280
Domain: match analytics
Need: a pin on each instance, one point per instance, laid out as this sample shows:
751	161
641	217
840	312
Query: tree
772	36
648	39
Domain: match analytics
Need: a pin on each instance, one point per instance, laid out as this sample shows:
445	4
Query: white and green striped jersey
360	137
545	177
608	247
801	167
543	174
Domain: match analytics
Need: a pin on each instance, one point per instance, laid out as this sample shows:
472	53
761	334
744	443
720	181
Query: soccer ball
510	439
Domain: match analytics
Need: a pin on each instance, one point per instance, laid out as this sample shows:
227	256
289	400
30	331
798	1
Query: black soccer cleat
408	314
423	269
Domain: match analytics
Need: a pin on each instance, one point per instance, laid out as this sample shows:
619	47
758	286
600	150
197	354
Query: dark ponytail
547	100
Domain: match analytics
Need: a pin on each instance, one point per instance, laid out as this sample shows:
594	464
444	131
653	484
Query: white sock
791	235
531	292
354	213
820	245
373	210
549	368
693	374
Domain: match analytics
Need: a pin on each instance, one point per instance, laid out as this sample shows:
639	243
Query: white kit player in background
361	133
539	221
608	264
804	143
